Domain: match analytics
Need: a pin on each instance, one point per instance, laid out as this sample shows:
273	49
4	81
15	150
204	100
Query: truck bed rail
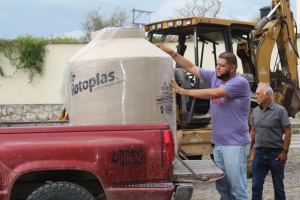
34	123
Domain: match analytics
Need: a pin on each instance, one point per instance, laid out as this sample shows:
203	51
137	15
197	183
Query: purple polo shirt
229	115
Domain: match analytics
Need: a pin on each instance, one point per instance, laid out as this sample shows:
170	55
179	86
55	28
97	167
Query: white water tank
119	78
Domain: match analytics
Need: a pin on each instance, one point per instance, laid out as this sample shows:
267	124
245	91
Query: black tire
61	191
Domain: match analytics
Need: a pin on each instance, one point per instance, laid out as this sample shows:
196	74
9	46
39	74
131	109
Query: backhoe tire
61	191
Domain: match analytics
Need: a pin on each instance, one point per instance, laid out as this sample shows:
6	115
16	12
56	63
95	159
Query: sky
48	18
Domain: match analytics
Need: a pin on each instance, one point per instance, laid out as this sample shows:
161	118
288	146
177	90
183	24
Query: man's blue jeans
261	164
233	161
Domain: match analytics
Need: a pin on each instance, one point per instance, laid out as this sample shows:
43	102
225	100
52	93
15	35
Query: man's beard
224	76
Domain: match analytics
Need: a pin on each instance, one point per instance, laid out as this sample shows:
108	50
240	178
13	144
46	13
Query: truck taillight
168	148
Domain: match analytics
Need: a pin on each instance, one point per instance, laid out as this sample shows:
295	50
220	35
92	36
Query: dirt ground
207	191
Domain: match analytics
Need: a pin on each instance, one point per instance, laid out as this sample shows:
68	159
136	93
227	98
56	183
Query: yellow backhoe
255	43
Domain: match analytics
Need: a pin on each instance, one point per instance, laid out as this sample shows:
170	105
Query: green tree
118	18
95	21
255	19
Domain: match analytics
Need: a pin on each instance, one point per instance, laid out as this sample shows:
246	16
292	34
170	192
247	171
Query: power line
110	5
140	12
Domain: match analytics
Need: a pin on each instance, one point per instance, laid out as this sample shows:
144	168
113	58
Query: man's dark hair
229	57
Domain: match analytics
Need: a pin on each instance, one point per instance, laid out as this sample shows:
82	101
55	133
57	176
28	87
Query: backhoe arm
276	28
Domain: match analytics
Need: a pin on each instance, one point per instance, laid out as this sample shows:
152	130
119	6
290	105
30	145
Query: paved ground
206	191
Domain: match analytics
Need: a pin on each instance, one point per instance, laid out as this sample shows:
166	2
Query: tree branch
209	8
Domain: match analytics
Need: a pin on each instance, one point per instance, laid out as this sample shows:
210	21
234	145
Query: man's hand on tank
282	157
178	89
165	49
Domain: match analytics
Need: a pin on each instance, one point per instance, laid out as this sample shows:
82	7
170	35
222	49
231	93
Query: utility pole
133	17
140	12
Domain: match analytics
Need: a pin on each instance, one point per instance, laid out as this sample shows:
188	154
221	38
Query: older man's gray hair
267	88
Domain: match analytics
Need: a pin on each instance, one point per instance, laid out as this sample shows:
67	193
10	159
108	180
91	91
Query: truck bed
207	168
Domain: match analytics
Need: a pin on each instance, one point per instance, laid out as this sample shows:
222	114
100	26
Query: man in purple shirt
230	104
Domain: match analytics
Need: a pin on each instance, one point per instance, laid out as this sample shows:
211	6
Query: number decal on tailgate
128	157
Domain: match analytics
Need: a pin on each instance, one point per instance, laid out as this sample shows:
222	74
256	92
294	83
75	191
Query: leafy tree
118	18
62	38
234	17
156	39
255	19
199	8
95	21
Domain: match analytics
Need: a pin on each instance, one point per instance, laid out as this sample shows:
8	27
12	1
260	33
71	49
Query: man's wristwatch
285	150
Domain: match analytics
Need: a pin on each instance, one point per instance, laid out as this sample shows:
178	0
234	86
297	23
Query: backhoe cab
255	44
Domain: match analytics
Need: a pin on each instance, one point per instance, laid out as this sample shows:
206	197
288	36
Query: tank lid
124	33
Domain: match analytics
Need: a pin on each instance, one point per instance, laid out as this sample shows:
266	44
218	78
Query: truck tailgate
205	168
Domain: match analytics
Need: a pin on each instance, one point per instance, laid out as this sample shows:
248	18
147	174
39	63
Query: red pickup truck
94	162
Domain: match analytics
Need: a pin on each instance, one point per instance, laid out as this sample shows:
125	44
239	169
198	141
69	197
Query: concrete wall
30	112
21	101
17	90
209	62
45	88
208	56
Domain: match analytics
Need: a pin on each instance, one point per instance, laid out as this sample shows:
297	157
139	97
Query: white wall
17	90
208	56
208	62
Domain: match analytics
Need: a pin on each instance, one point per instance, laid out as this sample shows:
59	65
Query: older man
269	122
229	106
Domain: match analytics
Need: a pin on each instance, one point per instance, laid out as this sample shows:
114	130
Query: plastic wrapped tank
119	78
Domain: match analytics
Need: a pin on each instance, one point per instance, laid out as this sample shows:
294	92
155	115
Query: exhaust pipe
265	20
